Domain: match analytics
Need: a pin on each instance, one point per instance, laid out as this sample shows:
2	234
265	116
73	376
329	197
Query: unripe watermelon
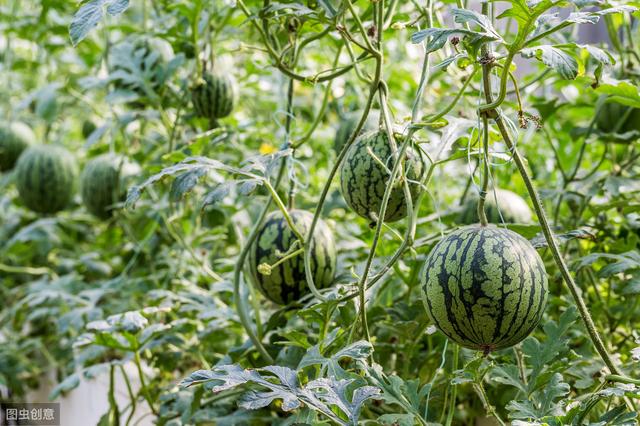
363	178
349	123
514	208
287	282
613	114
213	96
46	178
102	186
484	287
88	127
13	140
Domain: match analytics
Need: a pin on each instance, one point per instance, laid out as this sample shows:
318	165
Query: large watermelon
514	208
14	138
484	287
348	125
363	178
102	184
287	282
213	96
46	178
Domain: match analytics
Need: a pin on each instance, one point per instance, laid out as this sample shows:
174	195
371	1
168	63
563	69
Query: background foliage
154	285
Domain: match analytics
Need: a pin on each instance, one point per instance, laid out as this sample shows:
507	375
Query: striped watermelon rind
348	125
101	185
287	281
514	208
363	179
213	96
46	178
484	287
14	139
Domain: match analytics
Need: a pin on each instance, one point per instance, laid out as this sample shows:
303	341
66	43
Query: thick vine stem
546	229
325	190
452	402
490	409
237	272
482	214
397	167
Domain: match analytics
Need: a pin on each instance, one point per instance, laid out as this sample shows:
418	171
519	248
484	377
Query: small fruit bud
264	269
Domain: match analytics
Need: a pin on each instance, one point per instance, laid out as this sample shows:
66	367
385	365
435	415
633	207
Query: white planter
84	405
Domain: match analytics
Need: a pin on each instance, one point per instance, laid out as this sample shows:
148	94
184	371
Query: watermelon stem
482	215
491	107
490	409
325	190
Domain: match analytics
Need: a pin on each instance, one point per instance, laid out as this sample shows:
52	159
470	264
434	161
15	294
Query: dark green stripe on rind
485	287
287	281
365	172
46	178
101	187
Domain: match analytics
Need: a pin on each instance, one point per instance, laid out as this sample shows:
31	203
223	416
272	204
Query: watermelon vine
322	211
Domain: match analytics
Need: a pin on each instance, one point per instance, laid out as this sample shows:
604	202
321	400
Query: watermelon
287	281
349	123
14	138
514	208
213	217
611	114
46	178
102	186
88	127
213	96
484	287
363	178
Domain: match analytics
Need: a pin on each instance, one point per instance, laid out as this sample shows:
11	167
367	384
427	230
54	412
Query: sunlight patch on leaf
555	58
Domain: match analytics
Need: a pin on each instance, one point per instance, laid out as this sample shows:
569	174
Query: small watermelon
287	281
616	119
14	138
363	176
46	178
514	208
213	96
484	287
102	184
348	125
88	127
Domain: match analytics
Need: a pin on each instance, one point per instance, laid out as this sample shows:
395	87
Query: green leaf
69	383
592	17
509	375
185	182
555	58
623	262
397	419
555	389
621	92
555	344
90	14
539	241
437	37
